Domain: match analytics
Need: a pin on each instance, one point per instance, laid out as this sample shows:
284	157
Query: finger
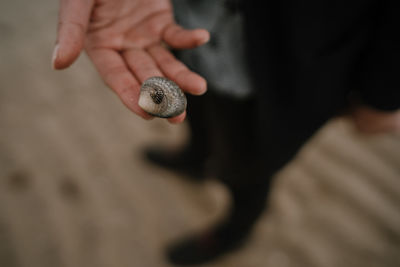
141	64
178	119
72	24
144	67
116	75
180	38
175	70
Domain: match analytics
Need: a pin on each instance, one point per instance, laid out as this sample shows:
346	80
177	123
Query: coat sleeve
380	78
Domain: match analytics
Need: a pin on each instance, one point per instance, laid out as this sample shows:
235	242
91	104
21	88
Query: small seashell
162	97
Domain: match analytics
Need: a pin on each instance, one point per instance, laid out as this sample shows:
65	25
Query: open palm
125	39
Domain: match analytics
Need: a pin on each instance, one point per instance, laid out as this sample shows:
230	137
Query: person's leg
247	206
246	156
192	158
234	155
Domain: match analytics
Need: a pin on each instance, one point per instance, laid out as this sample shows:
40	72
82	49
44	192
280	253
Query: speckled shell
162	98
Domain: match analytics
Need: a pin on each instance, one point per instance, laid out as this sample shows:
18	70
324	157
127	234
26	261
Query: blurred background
76	192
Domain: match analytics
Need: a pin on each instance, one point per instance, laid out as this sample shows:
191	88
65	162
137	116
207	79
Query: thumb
73	20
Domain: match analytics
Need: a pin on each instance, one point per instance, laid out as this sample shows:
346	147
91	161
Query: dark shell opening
157	95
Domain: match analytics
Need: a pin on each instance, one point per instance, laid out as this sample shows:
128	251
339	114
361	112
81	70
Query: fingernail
54	57
205	38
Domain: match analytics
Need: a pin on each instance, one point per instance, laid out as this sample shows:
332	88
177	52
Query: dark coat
308	56
314	52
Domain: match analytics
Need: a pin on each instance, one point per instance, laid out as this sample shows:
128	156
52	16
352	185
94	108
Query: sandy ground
75	192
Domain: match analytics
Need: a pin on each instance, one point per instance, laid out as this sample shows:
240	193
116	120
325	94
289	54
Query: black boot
206	246
248	204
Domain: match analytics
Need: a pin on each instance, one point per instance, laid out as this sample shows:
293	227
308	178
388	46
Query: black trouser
245	154
225	129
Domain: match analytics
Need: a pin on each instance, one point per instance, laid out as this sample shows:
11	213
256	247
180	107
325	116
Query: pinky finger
116	75
178	119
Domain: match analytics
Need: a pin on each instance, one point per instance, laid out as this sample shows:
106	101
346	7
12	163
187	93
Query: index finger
175	70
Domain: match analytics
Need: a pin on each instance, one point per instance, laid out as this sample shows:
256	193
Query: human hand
125	41
373	121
